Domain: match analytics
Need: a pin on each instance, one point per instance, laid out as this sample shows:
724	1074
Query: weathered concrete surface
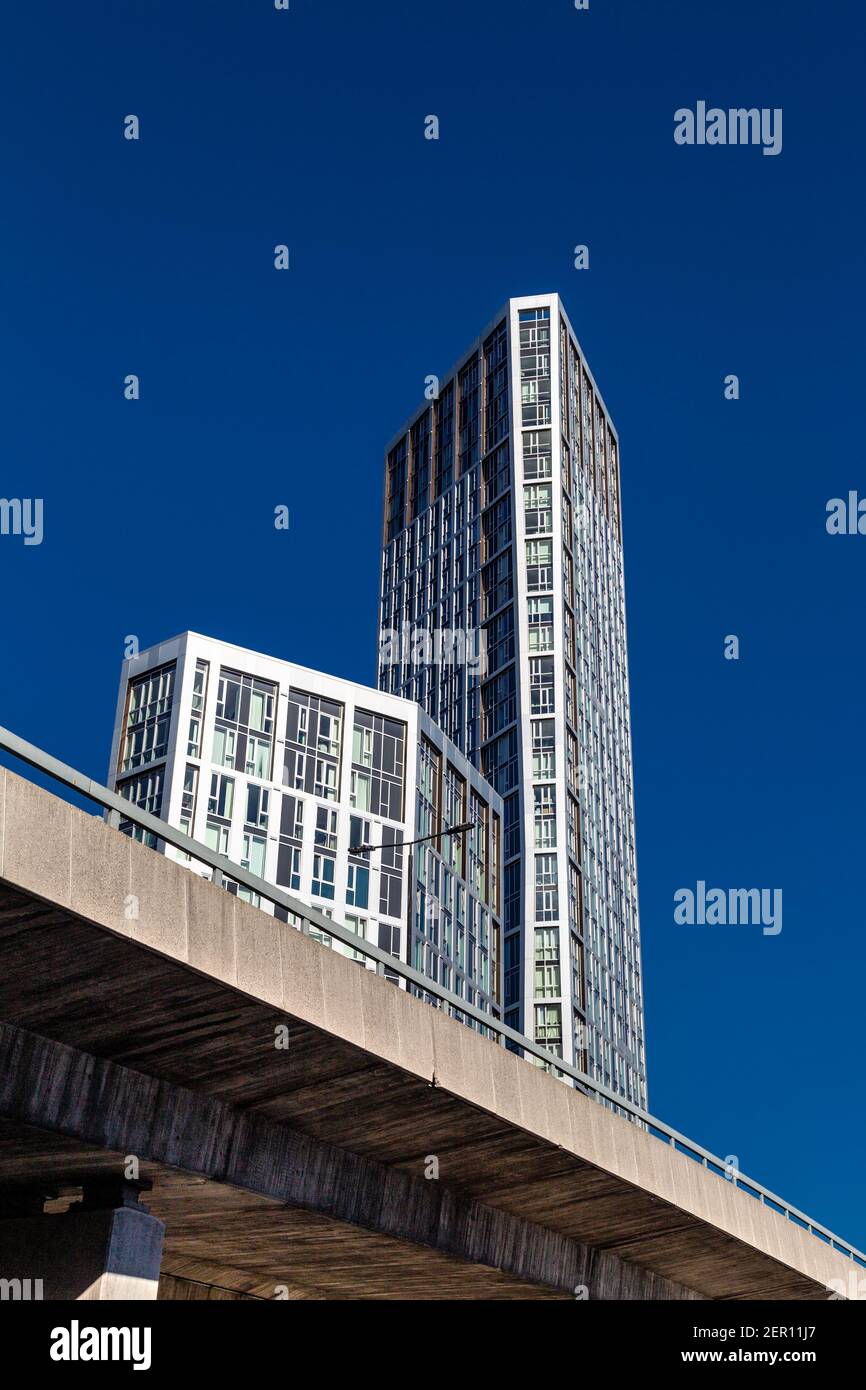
52	1087
85	1255
191	989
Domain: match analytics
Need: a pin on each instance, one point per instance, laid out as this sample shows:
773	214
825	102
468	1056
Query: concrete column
107	1246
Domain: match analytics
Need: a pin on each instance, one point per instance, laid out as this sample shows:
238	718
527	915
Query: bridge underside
224	1238
385	1152
303	1169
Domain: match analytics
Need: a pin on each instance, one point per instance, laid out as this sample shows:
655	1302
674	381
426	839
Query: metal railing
119	808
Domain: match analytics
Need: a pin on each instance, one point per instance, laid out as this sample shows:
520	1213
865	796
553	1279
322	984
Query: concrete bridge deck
303	1169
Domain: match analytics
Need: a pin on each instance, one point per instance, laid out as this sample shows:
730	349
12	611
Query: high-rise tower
503	517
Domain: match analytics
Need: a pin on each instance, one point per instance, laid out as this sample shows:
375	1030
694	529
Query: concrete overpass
140	1008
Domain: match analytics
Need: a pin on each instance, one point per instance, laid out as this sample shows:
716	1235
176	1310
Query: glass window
329	735
229	697
221	799
261	710
216	837
295	878
224	747
545	816
358	886
362	746
326	828
359	796
148	718
258	802
548	1027
325	784
253	854
258	760
199	695
323	876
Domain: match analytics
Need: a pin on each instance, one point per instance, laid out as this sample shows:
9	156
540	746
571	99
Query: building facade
285	771
503	517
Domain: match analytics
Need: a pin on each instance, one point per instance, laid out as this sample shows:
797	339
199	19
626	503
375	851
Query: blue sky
259	388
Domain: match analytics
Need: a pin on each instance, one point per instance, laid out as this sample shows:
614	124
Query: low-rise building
336	792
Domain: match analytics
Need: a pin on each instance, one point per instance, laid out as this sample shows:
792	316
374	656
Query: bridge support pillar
107	1246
